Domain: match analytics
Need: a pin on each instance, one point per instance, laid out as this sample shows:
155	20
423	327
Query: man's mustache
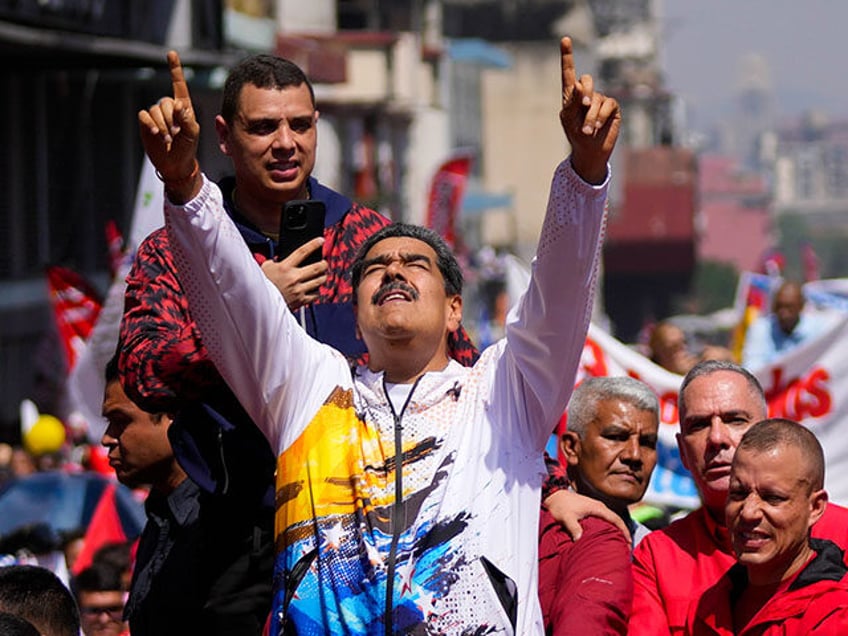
395	285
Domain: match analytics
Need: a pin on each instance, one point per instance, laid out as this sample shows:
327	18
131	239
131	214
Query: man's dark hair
111	374
263	71
37	595
116	554
445	259
100	576
708	367
777	431
11	625
111	371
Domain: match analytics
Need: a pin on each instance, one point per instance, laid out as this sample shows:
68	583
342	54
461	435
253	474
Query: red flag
105	527
76	305
773	262
446	192
811	263
115	244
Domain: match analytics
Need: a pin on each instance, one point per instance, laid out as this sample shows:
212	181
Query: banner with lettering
809	385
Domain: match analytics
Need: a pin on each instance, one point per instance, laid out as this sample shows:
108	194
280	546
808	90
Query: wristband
171	183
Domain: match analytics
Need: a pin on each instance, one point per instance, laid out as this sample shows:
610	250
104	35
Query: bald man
784	581
785	328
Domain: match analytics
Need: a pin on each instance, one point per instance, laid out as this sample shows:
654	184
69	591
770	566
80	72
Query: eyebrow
723	415
385	259
275	119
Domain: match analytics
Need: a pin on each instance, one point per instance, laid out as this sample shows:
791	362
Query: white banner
809	385
86	382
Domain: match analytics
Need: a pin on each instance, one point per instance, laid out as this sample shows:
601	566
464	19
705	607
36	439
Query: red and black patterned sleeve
461	348
162	361
557	478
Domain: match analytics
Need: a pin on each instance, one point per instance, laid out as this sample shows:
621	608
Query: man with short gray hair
610	447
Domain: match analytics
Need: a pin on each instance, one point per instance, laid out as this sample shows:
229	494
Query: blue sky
805	43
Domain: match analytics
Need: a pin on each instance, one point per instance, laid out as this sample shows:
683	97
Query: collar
336	204
182	505
719	533
825	565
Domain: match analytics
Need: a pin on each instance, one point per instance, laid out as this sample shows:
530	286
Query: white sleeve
547	328
280	375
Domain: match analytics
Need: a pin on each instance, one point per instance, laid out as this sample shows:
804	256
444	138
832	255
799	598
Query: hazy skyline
705	42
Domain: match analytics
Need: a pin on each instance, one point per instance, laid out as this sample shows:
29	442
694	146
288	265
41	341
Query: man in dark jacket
202	565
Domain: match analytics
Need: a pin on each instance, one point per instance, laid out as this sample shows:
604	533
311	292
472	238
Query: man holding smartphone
267	126
408	489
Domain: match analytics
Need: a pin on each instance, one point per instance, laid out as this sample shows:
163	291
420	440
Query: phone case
300	222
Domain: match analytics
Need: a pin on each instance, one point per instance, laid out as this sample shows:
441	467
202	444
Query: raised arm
546	333
590	120
242	319
170	133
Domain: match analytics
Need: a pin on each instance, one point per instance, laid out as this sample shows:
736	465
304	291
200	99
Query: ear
818	504
570	445
454	312
223	132
681	448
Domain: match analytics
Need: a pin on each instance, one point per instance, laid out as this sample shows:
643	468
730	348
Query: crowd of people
327	452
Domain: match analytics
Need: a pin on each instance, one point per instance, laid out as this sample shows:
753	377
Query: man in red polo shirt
719	401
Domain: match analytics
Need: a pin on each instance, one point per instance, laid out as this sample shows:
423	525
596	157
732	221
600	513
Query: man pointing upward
407	490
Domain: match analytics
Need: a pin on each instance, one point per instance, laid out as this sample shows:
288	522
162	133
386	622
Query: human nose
394	270
750	510
632	451
284	137
718	434
108	439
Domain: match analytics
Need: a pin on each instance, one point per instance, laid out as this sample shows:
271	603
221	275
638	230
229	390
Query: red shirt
814	601
584	587
676	564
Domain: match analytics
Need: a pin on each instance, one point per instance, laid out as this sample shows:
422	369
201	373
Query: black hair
262	71
36	594
100	576
111	371
12	625
445	260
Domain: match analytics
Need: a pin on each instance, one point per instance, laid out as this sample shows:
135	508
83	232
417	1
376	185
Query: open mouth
286	168
395	295
751	540
395	291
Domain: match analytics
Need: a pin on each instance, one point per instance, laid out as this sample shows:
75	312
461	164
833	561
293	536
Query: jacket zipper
398	510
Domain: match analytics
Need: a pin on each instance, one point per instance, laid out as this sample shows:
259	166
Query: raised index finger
178	82
569	75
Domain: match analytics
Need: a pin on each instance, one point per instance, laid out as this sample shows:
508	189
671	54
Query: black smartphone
300	222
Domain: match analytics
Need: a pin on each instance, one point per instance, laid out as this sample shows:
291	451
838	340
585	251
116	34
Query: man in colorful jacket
267	126
407	489
784	582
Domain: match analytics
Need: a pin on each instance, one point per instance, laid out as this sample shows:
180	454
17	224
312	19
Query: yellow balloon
46	436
